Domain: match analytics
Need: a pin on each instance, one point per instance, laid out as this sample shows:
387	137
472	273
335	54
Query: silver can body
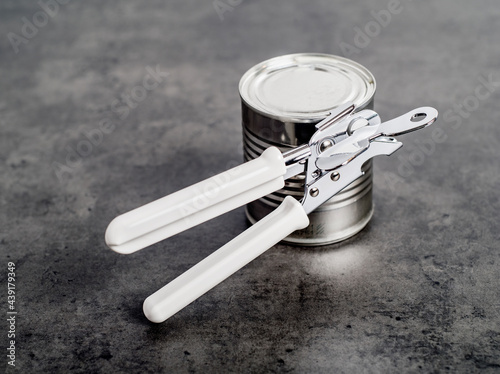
282	100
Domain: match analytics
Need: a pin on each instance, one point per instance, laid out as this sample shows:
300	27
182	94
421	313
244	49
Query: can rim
286	61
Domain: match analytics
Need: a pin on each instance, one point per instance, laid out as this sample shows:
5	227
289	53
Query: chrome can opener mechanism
332	160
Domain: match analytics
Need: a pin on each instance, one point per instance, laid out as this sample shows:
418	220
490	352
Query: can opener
332	160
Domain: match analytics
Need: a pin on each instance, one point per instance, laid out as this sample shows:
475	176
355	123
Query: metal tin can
282	100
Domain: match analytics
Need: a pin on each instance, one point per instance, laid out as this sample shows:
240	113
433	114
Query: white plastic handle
186	288
198	203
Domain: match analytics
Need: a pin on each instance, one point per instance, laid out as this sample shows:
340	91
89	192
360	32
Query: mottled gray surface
417	291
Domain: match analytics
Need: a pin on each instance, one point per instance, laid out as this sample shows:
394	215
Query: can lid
305	87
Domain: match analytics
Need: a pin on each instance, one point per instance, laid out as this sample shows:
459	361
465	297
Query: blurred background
105	106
